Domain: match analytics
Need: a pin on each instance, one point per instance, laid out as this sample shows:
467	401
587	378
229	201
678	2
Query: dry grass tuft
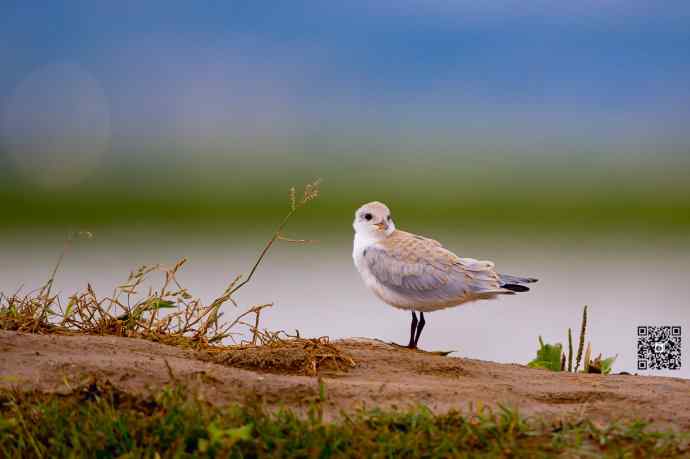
170	314
26	314
288	354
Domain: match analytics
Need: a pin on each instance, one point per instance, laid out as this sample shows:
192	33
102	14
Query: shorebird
416	273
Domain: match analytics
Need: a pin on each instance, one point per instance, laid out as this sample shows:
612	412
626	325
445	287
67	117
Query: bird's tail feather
516	283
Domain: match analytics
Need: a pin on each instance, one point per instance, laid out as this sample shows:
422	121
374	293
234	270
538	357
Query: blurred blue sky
505	75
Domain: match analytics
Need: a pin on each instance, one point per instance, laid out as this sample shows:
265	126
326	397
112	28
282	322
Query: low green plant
97	420
552	357
548	356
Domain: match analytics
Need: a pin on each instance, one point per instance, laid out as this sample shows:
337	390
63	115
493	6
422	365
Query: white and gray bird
416	273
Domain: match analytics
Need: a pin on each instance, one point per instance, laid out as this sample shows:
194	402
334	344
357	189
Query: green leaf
540	364
7	424
228	437
548	356
70	307
160	304
607	364
602	366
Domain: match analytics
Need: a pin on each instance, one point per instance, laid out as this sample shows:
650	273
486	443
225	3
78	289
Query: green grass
99	421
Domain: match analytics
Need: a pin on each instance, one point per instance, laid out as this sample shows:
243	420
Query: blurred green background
464	117
526	196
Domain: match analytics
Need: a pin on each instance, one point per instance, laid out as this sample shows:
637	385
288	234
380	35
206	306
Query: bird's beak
381	225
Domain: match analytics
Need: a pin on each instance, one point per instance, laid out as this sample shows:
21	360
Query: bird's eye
368	216
389	218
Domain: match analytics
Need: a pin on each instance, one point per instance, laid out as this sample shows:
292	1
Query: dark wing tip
515	287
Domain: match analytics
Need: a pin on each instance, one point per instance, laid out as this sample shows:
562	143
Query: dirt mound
297	356
384	376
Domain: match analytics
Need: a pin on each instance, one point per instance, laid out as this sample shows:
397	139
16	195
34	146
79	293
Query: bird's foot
415	348
402	346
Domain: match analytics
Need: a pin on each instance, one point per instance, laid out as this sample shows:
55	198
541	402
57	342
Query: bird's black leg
419	328
413	328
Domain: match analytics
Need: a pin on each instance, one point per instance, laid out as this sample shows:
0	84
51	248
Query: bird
416	273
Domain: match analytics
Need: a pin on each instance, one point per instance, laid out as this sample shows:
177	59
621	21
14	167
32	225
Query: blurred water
316	289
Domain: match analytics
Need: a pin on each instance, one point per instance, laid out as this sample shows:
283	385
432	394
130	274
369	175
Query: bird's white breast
361	243
358	247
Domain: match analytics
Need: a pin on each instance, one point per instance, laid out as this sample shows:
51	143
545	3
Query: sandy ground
385	376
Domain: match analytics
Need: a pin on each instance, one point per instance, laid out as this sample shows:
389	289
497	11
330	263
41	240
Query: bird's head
373	220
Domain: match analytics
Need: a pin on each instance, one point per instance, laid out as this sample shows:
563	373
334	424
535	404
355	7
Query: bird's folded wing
410	263
395	270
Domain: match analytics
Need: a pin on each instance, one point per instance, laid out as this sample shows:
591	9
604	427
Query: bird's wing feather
419	267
